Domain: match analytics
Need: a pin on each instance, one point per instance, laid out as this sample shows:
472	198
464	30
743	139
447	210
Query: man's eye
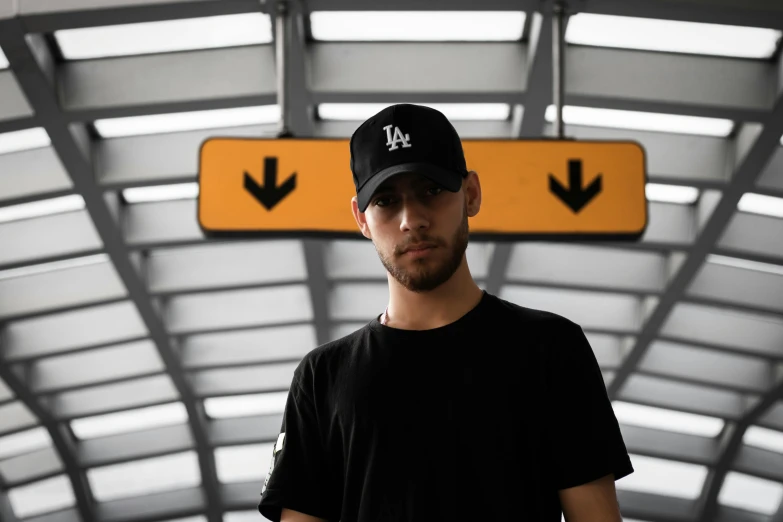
381	202
434	191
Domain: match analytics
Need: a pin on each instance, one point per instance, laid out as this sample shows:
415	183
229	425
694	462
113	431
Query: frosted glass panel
131	420
244	405
664	477
765	438
141	477
243	463
663	419
242	516
24	442
43	496
752	493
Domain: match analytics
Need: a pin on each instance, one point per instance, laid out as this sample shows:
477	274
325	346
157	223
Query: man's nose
414	216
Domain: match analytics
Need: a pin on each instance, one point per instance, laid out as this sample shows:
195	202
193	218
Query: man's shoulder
527	316
325	354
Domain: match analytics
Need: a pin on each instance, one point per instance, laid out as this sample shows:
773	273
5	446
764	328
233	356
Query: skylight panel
764	438
15	415
761	204
453	111
752	493
5	391
3	60
746	264
43	268
40	497
232	462
664	477
161	193
27	139
185	121
44	207
671	193
669	420
245	405
24	442
399	26
671	36
147	476
241	516
131	420
646	121
165	36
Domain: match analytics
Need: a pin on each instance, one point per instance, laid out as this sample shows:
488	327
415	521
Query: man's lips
420	247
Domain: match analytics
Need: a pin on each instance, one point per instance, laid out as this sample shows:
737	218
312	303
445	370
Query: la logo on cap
398	137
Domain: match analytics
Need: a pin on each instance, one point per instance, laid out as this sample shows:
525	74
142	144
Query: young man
453	404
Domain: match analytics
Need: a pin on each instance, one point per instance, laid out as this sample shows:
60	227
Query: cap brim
448	179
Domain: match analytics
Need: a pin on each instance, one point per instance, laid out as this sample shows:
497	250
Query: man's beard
426	279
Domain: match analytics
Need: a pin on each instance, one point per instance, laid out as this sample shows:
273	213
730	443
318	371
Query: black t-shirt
485	418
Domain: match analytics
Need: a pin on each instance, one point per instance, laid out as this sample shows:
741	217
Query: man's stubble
422	279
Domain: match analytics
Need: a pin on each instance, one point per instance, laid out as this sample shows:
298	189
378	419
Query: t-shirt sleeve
586	441
297	478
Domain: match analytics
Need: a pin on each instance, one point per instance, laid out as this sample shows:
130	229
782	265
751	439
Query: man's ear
472	188
360	217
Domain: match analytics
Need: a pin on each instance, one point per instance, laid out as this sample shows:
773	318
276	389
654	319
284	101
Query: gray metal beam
730	451
68	233
421	5
33	77
6	512
754	13
13	105
424	72
44	16
749	168
60	436
538	91
537	97
763	463
778	517
49	15
751	13
16	124
652	81
742	181
299	122
174	82
319	287
301	112
124	447
154	507
697	161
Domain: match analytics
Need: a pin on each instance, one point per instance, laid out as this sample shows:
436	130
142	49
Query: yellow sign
543	189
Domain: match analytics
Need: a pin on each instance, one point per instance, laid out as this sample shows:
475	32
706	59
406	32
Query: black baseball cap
405	138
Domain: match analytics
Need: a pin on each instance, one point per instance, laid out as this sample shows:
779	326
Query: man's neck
427	310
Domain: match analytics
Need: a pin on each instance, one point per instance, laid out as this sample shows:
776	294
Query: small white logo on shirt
398	137
275	450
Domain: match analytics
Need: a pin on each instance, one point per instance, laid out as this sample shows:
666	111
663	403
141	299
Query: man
453	404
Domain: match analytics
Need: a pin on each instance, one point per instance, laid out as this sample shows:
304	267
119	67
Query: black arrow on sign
574	196
270	194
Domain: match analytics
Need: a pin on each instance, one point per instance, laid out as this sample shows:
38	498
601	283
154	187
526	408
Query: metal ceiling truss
35	69
65	97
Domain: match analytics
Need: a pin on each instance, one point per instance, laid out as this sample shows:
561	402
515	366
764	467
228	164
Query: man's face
409	210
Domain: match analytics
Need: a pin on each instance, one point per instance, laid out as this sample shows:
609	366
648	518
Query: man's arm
289	515
595	501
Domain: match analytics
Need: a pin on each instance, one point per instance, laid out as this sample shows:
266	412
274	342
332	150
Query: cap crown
405	133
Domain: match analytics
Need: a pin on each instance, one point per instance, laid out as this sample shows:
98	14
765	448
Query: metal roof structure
144	368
